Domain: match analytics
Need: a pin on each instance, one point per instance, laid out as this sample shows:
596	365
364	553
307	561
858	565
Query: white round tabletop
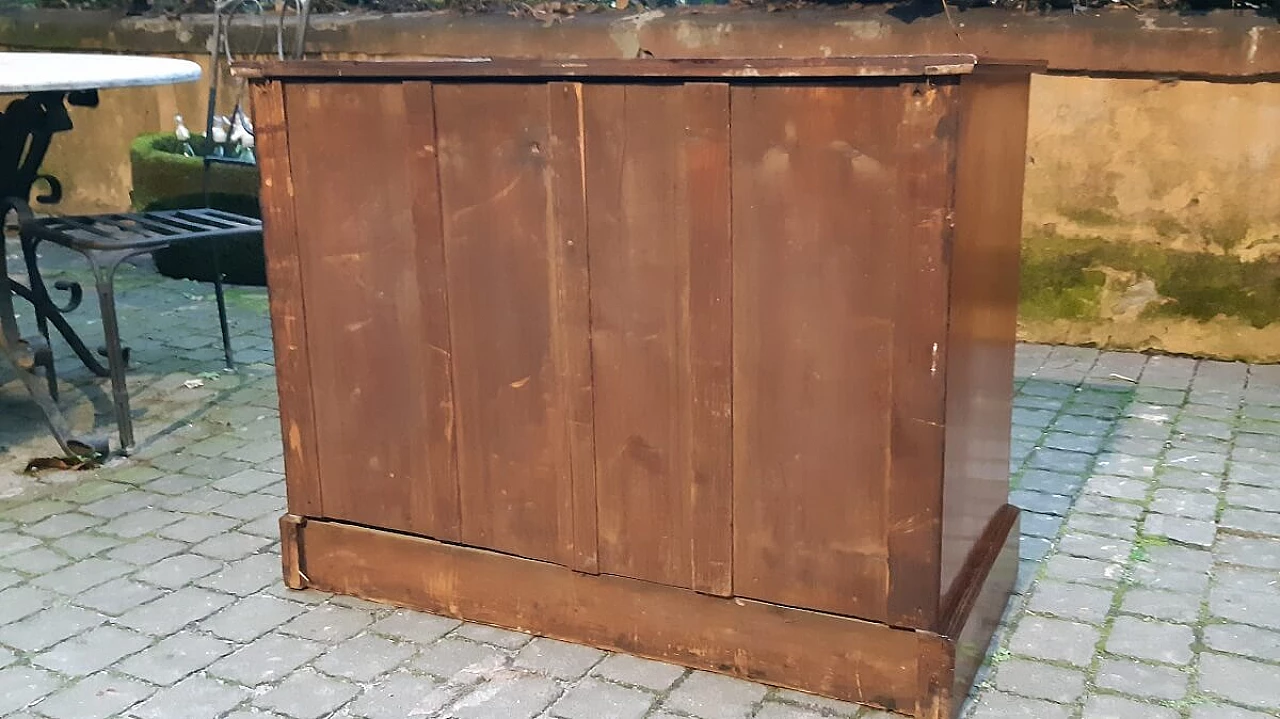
47	71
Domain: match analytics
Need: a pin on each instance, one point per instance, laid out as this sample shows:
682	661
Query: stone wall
1151	211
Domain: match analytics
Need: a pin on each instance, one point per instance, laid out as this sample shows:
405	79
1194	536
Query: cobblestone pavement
150	588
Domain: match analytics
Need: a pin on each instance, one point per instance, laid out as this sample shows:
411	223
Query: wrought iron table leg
47	311
104	266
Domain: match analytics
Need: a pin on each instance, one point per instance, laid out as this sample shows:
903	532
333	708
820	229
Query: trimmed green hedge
165	179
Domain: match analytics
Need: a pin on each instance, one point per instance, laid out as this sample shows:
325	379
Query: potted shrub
164	178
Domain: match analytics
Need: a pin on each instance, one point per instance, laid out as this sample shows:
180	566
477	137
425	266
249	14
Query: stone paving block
1262	553
1040	681
364	658
171	612
60	525
561	660
511	695
122	503
176	484
1078	569
1151	640
20	686
1150	447
192	698
1240	680
1183	503
267	659
592	699
1124	465
459	660
84	544
245	576
1249	521
1117	527
175	572
1130	488
1251	642
1103	706
1142	680
1040	480
1041	525
492	635
1092	546
771	710
1258	475
146	551
48	627
248	481
998	705
1186	479
23	601
1059	460
1071	601
1033	548
635	671
308	695
1180	529
1055	640
11	542
713	696
251	506
251	617
267	525
199	501
399	696
1259	498
139	522
231	546
36	560
1255	455
329	623
175	657
197	527
1040	502
33	512
1246	607
1173	606
117	596
97	697
92	651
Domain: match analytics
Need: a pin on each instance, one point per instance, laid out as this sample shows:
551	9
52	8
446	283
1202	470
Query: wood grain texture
290	551
813	322
372	288
977	609
925	147
990	164
658	163
833	656
288	316
516	317
568	241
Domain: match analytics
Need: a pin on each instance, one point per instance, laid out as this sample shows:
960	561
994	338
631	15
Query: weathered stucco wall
1152	218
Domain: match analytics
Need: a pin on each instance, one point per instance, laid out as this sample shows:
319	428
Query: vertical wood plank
813	321
288	313
568	241
507	283
658	172
373	287
926	154
708	326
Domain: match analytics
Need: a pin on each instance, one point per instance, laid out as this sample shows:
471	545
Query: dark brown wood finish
660	330
288	317
515	310
372	288
704	361
813	322
983	303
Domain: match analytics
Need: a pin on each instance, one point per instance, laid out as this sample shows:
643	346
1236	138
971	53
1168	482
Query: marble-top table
46	83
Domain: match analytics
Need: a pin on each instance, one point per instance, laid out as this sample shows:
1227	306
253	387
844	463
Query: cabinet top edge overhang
722	69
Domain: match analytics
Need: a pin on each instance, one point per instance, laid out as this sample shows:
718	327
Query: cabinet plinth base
921	673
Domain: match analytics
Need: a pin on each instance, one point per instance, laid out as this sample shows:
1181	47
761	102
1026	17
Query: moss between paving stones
165	179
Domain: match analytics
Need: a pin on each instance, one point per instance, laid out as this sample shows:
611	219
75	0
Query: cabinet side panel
370	247
288	317
814	223
659	222
512	337
984	300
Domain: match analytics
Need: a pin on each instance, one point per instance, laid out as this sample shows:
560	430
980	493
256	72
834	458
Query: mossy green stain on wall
1063	278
